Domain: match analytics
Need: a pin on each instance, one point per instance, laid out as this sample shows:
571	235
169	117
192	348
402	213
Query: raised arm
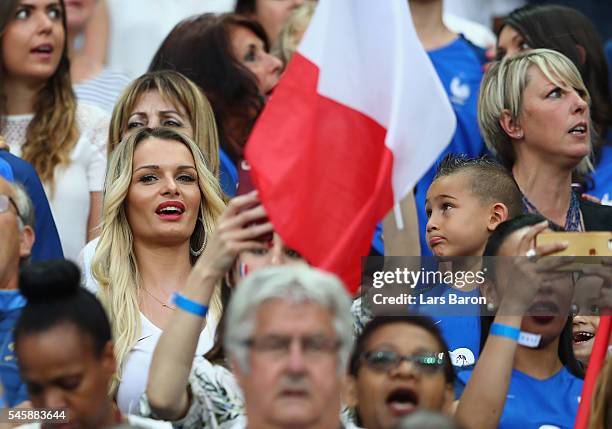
484	397
167	391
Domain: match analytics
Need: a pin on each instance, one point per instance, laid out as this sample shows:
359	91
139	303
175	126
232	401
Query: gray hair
24	205
293	283
502	89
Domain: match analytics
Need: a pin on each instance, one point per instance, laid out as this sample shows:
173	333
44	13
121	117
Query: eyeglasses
5	200
312	346
387	360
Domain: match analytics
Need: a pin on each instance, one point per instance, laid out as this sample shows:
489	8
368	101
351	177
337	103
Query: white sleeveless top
136	366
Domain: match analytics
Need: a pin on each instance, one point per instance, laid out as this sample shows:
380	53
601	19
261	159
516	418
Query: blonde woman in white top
160	203
40	119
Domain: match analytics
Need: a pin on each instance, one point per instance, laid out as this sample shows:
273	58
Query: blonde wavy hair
293	30
177	90
502	89
114	264
52	133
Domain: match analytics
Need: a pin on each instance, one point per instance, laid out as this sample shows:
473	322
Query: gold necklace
163	304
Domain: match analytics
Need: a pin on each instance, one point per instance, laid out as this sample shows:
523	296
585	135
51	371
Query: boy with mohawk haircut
465	202
467	199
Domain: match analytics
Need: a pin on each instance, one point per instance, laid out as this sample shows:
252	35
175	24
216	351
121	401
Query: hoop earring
198	252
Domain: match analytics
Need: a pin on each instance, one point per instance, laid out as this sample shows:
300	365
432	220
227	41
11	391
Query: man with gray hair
16	240
288	336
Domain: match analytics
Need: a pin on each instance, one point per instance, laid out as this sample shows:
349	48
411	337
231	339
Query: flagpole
399	220
598	357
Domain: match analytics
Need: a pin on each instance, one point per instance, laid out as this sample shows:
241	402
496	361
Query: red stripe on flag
596	362
323	172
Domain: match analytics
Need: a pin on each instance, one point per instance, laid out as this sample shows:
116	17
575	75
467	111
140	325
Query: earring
491	307
198	252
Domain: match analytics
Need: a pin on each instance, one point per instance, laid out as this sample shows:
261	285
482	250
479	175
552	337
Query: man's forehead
284	316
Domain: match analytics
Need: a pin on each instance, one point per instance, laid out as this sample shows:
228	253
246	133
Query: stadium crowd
143	285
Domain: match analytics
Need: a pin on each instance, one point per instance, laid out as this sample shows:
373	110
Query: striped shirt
103	90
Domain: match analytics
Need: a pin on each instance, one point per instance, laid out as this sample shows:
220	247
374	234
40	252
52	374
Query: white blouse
135	370
70	199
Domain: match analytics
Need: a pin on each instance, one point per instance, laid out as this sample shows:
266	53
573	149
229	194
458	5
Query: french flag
358	117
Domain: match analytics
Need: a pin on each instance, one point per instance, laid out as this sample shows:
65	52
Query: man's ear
26	241
349	393
498	213
236	369
510	126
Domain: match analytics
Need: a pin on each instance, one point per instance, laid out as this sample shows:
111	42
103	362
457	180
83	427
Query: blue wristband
189	306
505	331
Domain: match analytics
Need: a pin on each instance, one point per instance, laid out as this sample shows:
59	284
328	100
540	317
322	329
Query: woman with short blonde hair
534	114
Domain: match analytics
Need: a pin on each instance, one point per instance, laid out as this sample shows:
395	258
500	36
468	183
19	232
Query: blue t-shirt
6	171
537	404
228	174
460	70
47	244
459	325
602	176
11	304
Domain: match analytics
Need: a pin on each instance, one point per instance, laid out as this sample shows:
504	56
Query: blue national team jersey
15	390
460	71
459	325
540	404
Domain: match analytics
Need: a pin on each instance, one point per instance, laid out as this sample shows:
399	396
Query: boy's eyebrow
437	197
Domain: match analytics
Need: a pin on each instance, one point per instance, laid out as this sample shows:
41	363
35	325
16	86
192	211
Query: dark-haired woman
65	349
383	387
228	57
41	121
527	375
568	31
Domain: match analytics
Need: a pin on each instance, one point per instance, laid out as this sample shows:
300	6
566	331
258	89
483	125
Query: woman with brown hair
42	122
227	56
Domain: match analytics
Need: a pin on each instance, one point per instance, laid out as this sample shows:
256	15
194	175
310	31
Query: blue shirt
459	68
459	325
534	404
6	171
602	176
228	174
47	244
11	304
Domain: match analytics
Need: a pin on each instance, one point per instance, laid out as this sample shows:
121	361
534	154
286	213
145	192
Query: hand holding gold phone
592	243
